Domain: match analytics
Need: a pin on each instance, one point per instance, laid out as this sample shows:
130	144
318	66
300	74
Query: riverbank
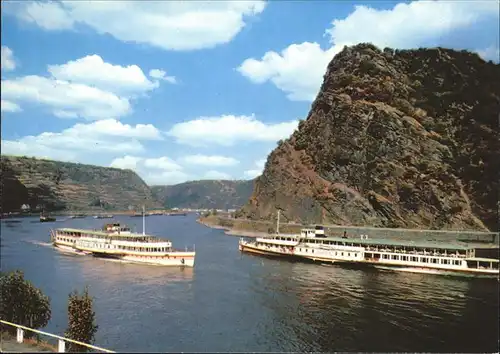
91	213
256	228
245	228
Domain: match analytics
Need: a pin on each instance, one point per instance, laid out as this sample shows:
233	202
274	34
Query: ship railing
61	347
186	249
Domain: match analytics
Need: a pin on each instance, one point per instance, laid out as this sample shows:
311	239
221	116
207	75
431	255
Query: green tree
22	303
81	321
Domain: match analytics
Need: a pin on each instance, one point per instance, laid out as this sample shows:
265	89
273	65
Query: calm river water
236	302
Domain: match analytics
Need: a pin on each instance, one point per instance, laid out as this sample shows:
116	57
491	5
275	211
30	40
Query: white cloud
226	130
165	177
93	71
126	162
205	160
112	127
170	25
8	106
491	53
408	25
47	15
298	70
162	163
72	98
155	171
109	136
212	174
162	75
84	88
7	57
259	167
252	173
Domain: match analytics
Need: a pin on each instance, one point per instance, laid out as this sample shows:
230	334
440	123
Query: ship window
336	253
434	260
414	259
425	260
384	256
312	251
404	258
395	257
348	255
342	254
456	262
445	261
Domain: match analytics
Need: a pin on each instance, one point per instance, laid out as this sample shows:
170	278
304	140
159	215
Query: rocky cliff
207	194
394	138
57	185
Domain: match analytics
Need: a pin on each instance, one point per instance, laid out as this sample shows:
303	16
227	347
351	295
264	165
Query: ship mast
143	220
278	222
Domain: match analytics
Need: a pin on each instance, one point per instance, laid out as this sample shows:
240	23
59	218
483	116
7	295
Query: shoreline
259	228
88	213
232	232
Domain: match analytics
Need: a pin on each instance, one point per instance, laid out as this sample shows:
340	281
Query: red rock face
395	139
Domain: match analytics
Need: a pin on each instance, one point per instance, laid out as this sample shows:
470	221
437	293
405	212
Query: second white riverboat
408	256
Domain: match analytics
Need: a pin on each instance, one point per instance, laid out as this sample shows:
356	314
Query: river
236	302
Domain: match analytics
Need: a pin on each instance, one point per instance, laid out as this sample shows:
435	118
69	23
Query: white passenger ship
408	256
118	242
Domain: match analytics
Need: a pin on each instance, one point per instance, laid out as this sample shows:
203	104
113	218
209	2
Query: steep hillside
68	186
206	194
394	138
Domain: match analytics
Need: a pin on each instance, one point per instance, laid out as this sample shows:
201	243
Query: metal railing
61	347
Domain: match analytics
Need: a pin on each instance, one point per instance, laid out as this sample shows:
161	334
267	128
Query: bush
22	303
81	321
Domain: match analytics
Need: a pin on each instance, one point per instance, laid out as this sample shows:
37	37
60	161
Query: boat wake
39	243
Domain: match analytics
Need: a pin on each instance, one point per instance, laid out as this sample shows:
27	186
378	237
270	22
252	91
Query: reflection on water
337	309
115	272
238	302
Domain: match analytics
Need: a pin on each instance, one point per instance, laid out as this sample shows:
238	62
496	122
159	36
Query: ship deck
116	236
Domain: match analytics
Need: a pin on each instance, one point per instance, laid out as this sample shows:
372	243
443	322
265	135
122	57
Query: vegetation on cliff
207	194
394	138
56	185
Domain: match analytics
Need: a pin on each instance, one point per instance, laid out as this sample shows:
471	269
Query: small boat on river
46	218
103	216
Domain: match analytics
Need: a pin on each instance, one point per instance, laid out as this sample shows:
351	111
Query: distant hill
207	194
57	185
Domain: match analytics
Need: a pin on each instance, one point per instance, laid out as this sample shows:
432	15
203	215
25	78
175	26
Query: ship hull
466	272
173	260
248	248
70	250
369	264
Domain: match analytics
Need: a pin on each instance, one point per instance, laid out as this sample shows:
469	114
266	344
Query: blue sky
184	91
